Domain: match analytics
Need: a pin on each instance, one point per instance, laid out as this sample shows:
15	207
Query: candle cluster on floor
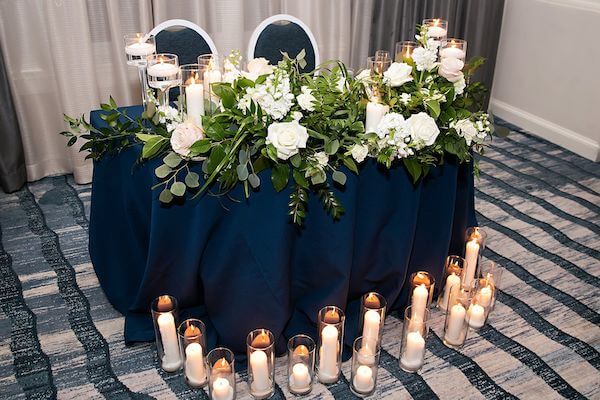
466	298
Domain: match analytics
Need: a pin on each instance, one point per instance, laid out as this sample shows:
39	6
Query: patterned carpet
540	205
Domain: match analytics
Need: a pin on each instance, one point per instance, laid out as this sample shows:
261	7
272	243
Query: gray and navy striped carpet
540	205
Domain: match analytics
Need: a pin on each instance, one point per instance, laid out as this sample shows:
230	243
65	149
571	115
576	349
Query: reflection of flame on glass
211	64
436	22
453	44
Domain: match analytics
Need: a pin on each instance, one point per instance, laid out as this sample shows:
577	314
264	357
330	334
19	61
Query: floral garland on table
304	127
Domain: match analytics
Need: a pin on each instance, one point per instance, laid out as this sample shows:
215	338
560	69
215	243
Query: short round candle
363	381
222	390
300	378
140	49
476	315
163	70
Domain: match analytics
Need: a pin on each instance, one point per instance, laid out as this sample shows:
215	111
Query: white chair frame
282	17
183	22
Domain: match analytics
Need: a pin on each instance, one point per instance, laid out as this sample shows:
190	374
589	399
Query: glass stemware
163	74
137	48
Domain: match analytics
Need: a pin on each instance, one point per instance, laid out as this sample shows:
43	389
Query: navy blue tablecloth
241	264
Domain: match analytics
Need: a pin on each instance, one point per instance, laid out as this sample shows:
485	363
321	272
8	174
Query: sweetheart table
239	264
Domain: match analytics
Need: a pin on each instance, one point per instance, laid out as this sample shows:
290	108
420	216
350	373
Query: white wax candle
371	325
171	360
419	301
300	378
140	49
163	70
476	315
414	351
485	296
194	100
436	32
451	289
363	379
454	330
471	254
366	355
328	368
222	390
375	112
452	52
194	364
261	381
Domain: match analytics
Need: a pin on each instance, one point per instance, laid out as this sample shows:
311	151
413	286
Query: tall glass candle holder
421	292
301	364
481	302
372	318
378	66
192	339
163	74
456	324
454	48
164	317
331	338
221	374
211	67
451	279
437	28
260	345
137	48
192	92
412	346
475	244
491	272
404	50
364	368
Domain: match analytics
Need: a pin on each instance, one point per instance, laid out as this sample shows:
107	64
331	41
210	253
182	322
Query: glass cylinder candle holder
137	48
192	92
454	48
382	55
437	28
452	276
378	66
192	339
365	361
164	317
491	272
331	338
260	348
404	50
475	244
163	74
221	374
456	324
301	364
481	303
421	292
211	67
372	318
412	346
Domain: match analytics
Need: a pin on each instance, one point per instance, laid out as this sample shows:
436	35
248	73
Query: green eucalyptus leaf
163	171
165	196
254	180
178	189
318	177
192	180
332	146
279	176
150	109
242	172
243	156
172	160
339	177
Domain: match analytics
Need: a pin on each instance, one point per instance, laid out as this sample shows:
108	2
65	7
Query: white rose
459	86
306	99
423	128
425	59
297	115
398	74
322	158
287	137
257	67
184	136
466	129
451	69
359	152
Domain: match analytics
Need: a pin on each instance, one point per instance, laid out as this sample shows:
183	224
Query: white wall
547	77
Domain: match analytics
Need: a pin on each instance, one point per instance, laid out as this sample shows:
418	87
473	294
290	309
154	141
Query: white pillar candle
171	360
485	296
140	49
413	352
194	364
454	329
452	52
261	381
436	32
328	368
194	101
222	390
476	315
420	296
363	379
471	255
375	113
300	378
451	289
162	70
371	326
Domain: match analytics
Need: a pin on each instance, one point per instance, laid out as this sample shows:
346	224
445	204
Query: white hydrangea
169	116
425	58
473	132
273	96
405	98
393	131
359	152
459	86
306	100
322	158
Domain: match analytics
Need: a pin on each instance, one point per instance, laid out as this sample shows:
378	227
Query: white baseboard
545	129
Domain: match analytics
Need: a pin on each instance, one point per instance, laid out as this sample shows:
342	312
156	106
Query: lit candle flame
164	303
453	44
436	22
301	350
221	366
261	340
191	332
372	301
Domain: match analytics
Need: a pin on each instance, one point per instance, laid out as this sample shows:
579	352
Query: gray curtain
12	159
477	21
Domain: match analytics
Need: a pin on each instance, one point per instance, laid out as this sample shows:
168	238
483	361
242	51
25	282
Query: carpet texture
540	204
